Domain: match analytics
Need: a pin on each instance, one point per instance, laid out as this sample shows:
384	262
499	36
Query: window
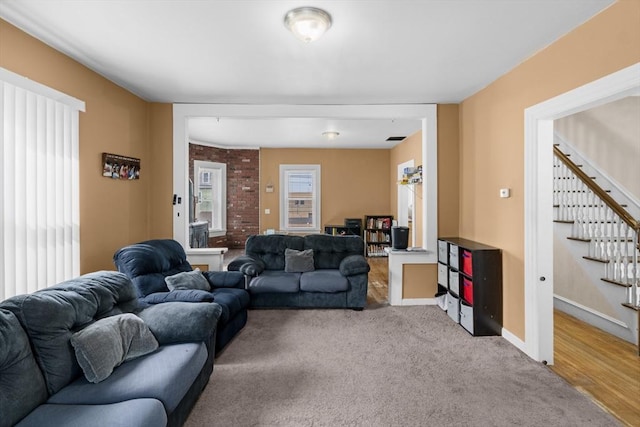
210	194
39	191
300	198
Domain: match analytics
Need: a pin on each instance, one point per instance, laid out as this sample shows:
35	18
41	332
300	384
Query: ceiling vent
396	138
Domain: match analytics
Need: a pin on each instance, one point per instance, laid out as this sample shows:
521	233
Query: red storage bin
467	290
466	263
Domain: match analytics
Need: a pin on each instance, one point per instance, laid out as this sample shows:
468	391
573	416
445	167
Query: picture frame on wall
115	166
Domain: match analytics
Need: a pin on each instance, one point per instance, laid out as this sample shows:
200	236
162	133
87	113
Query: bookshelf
377	234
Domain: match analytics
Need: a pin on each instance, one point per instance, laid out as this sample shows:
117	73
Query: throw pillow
188	280
108	342
298	261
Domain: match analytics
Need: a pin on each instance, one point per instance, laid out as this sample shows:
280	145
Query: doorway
538	264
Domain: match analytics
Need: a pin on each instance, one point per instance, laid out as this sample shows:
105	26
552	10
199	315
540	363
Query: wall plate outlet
505	193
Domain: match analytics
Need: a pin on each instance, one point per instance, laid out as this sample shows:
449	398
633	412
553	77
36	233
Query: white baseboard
595	318
514	340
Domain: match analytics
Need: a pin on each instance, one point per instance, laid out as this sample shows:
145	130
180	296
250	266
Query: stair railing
612	233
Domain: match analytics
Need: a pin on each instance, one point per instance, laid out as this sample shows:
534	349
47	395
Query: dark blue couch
339	278
148	263
42	383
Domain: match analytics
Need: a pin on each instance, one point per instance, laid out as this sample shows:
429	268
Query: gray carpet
384	366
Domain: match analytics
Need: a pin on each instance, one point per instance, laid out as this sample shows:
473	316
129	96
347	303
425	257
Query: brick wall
243	179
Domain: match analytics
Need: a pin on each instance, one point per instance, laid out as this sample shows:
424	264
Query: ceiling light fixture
307	23
330	135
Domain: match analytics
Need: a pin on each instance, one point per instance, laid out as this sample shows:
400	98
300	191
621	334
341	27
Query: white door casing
538	161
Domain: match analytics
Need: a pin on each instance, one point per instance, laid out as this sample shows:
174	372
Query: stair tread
602	260
615	282
587	206
631	306
579	239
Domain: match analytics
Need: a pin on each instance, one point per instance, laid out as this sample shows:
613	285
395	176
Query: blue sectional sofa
149	263
48	339
314	271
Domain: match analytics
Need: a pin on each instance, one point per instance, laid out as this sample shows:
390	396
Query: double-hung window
210	191
300	198
39	190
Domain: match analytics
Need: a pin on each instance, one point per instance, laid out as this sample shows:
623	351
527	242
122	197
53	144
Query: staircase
604	226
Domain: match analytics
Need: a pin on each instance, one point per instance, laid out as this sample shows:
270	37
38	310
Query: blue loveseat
43	383
335	276
149	263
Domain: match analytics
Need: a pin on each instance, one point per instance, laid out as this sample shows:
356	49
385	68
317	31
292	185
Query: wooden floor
378	292
600	365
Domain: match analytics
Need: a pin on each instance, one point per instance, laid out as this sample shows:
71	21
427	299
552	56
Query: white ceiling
238	51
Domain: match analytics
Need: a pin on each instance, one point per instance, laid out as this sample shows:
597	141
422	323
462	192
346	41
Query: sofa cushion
165	375
130	413
232	301
323	281
105	344
148	263
50	316
187	280
176	322
22	387
224	279
184	295
298	261
275	281
329	251
270	248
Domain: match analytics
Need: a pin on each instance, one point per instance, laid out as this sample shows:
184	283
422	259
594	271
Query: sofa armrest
252	269
354	264
181	295
175	322
225	279
247	265
237	262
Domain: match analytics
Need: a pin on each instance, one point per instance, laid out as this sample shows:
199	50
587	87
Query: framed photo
120	167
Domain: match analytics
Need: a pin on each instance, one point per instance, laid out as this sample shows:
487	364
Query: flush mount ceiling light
307	23
330	135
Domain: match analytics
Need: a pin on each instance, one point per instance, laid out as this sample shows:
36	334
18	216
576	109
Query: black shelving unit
471	275
343	230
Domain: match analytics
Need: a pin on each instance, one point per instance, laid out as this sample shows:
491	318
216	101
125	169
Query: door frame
538	203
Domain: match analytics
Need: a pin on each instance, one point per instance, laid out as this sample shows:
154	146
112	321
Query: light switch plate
505	193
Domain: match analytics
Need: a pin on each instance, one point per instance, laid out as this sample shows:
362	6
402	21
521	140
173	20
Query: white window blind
39	190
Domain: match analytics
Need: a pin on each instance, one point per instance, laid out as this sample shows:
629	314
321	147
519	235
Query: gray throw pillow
106	343
298	261
188	280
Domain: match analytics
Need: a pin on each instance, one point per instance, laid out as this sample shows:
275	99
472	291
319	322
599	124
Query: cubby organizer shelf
470	275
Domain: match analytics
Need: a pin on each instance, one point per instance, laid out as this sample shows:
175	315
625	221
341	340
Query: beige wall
492	135
160	175
409	149
354	183
112	212
448	170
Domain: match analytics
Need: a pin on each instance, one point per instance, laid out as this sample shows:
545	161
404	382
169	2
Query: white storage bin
443	275
443	251
466	317
454	282
453	257
453	308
